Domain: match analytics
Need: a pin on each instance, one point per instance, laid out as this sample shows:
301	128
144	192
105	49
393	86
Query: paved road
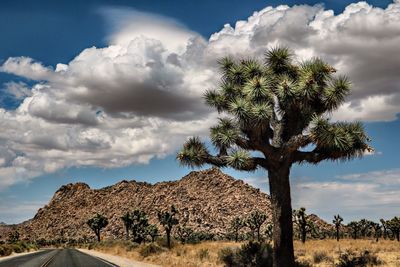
56	258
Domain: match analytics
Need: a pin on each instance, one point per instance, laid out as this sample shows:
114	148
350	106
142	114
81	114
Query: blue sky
72	122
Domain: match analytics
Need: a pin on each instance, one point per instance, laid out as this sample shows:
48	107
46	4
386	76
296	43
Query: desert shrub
191	237
131	246
302	264
321	256
181	251
5	250
249	255
17	248
351	259
227	256
162	242
203	254
41	242
150	249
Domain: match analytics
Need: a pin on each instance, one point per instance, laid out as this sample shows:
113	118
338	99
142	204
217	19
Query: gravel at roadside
117	260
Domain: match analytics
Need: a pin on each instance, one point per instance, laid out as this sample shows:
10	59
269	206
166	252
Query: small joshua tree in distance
355	228
383	222
305	226
377	230
255	221
152	231
97	223
337	221
139	225
127	219
168	220
236	224
394	226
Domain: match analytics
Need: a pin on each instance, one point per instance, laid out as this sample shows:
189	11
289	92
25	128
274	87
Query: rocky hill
207	199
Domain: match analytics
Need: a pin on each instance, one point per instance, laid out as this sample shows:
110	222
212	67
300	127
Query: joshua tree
168	220
355	228
184	233
394	226
365	226
255	221
305	225
139	225
126	218
383	222
377	230
278	108
236	225
337	220
97	223
152	231
269	231
13	237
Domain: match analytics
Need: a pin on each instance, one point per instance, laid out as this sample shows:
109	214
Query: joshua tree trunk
127	232
98	235
281	215
303	234
337	233
168	238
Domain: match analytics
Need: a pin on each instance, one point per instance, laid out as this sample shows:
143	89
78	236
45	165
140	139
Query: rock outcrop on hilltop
207	200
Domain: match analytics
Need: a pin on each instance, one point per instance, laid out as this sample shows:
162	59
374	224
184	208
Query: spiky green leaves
241	160
224	135
340	140
216	100
279	59
252	68
258	89
193	153
336	92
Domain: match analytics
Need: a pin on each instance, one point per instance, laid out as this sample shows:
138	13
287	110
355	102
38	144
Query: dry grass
386	250
205	254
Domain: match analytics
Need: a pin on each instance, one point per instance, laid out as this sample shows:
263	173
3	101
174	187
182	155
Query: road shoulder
14	255
117	260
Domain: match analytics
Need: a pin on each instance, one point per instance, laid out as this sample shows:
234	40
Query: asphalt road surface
56	258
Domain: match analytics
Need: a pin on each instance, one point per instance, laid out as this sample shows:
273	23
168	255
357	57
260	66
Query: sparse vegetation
327	250
249	254
16	247
351	259
150	249
321	256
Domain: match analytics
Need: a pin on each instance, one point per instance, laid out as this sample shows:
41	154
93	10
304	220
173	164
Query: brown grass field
205	254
